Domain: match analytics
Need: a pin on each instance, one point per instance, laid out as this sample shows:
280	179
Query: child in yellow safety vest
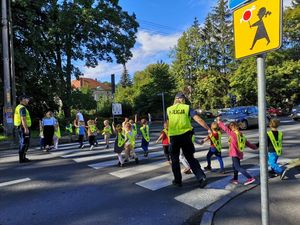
119	143
106	132
129	144
56	135
274	147
145	136
236	148
215	146
92	132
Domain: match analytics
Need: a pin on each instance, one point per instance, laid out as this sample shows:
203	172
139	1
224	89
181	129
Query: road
74	186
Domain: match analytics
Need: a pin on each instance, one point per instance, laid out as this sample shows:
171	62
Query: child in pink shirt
236	148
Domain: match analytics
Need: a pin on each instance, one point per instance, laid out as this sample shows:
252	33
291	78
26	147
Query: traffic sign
233	4
257	27
116	109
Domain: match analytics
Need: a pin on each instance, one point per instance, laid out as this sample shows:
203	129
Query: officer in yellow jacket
22	121
180	132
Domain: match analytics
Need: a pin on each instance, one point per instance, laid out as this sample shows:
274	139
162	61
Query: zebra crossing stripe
14	182
201	198
139	169
101	165
165	180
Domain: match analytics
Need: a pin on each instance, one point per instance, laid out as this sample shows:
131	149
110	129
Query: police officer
180	132
22	121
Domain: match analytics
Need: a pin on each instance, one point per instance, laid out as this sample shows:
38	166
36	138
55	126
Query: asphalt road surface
79	186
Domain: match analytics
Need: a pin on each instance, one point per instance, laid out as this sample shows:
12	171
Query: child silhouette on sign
261	31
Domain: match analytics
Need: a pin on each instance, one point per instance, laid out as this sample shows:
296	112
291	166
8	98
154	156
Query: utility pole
7	109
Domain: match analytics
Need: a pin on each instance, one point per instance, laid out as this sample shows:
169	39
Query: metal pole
261	80
12	58
7	109
163	104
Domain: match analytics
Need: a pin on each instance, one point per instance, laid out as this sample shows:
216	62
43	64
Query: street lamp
163	104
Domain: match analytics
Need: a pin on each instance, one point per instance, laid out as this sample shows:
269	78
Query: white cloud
149	49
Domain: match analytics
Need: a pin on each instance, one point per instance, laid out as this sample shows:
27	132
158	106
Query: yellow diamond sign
257	27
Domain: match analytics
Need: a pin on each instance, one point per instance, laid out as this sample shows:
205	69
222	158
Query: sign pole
263	156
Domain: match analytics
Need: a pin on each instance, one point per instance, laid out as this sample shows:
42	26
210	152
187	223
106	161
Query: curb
209	213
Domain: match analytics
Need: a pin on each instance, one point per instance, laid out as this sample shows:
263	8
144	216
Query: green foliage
82	100
145	93
49	36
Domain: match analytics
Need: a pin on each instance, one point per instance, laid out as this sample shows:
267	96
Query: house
99	90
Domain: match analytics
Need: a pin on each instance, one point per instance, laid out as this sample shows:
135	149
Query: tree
125	79
52	35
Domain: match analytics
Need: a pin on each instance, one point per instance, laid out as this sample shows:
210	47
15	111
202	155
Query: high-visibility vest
69	128
217	143
145	133
241	141
179	120
276	144
134	129
106	130
17	116
57	132
131	139
92	128
121	140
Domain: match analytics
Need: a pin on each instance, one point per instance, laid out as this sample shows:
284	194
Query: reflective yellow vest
57	132
179	120
217	143
92	128
106	130
69	128
134	129
241	141
17	116
131	139
145	133
276	144
121	140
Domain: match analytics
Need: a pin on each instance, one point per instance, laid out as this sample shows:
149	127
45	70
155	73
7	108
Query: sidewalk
284	204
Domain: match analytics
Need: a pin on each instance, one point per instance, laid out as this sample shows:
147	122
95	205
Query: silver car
296	112
245	116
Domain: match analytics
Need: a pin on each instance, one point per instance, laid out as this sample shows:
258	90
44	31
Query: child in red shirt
165	141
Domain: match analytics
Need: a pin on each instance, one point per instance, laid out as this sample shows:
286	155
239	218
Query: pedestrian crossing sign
257	28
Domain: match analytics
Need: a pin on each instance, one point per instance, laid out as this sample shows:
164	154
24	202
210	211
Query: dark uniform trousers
23	142
184	141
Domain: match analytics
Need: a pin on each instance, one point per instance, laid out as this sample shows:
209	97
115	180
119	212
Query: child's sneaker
107	146
146	154
207	168
233	181
249	181
92	147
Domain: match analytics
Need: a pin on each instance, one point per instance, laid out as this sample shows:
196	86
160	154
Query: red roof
90	83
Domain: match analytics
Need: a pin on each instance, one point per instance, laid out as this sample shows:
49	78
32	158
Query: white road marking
165	180
14	182
201	198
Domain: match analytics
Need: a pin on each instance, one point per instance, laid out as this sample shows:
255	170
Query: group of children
127	133
237	143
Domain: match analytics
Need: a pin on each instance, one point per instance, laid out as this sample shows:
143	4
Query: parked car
275	111
296	112
246	116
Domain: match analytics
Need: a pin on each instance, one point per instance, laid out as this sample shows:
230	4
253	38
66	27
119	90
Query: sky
161	24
